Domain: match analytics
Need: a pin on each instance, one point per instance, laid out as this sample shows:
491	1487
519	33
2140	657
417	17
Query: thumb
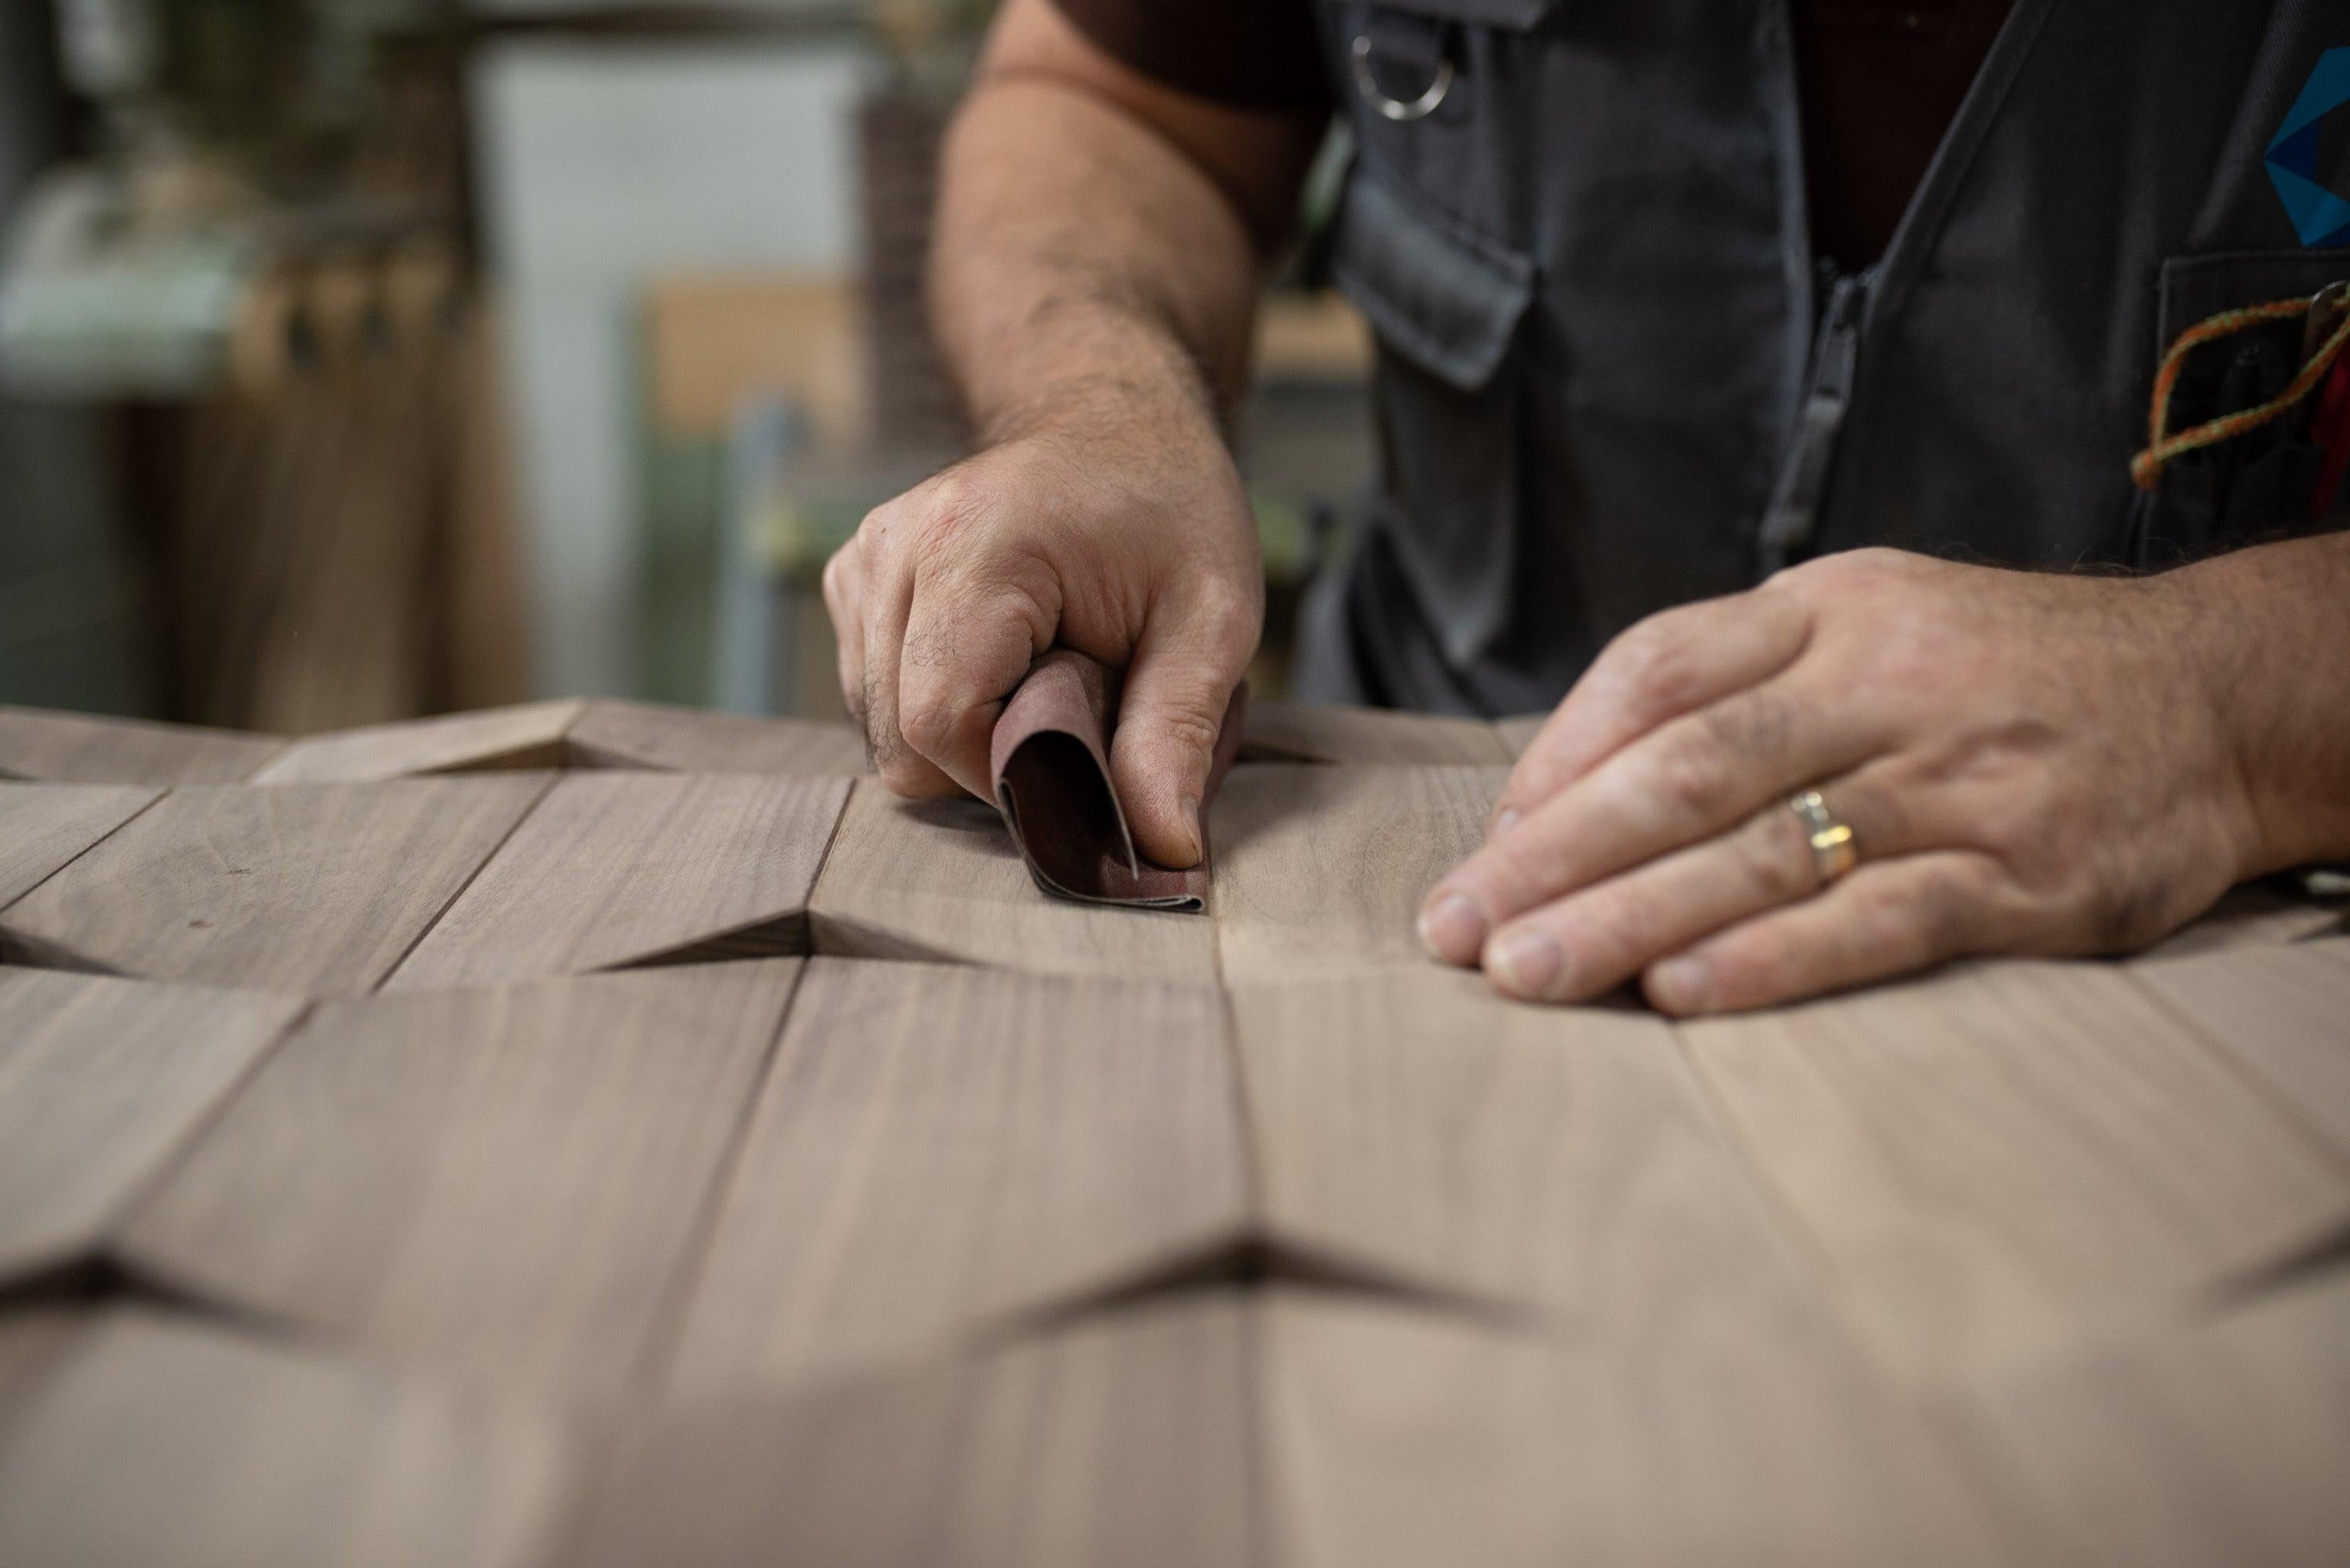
1192	656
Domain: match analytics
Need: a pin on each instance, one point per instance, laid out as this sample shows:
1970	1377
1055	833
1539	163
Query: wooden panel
2256	916
310	888
1559	1159
2015	1160
939	1147
2228	1444
499	1184
528	736
1123	1440
2285	1011
42	826
100	1081
1404	1438
1320	872
73	748
617	868
644	735
941	879
1519	733
162	1442
1292	733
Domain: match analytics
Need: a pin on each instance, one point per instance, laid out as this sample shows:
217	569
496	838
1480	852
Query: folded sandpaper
1050	767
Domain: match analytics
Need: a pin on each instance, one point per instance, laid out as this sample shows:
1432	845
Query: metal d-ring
1395	108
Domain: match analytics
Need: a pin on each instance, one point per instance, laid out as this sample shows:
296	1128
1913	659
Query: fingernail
1453	929
1191	825
1502	824
1682	985
1529	964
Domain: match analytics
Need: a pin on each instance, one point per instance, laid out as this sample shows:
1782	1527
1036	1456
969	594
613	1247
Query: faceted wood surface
50	747
450	1173
317	889
502	1184
528	736
620	869
939	1149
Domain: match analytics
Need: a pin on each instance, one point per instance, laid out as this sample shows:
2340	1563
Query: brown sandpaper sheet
1050	771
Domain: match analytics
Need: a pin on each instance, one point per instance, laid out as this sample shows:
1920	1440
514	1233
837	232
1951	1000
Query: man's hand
1130	541
2030	763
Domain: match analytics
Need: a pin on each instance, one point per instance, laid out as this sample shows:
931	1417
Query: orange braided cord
2147	466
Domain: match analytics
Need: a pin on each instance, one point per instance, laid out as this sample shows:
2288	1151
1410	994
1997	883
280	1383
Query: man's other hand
1130	540
2029	764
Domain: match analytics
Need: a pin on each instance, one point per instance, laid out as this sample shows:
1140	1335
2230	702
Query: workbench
597	1134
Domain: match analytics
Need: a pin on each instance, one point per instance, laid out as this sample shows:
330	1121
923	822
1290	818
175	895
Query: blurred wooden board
2284	1011
939	1149
498	1185
2226	1443
1289	733
101	1081
2018	1161
528	736
317	889
43	827
1558	1162
74	748
941	881
615	734
1320	870
160	1441
1125	1440
1712	1441
616	870
2256	915
1519	733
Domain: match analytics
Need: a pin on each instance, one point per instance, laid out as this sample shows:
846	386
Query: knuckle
1775	855
1690	779
1757	725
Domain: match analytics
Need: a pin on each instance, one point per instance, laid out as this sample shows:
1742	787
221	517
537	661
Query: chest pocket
2259	485
1439	93
1446	307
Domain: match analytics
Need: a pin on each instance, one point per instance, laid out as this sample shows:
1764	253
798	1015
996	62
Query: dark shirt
1880	82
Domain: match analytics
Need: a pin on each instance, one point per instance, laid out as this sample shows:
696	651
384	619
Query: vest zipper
1794	510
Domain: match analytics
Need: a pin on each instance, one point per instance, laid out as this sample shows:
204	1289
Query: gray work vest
1612	379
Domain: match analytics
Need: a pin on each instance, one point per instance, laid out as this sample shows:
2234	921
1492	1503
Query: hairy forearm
2270	627
1083	269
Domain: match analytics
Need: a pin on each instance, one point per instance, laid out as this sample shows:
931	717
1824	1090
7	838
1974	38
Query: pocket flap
1447	301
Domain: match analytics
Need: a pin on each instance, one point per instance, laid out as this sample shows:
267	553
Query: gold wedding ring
1835	851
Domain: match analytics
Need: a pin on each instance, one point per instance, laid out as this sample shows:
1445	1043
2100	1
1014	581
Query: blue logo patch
2322	217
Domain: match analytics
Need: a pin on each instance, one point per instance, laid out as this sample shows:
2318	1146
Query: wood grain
939	1149
1123	1440
1406	1437
943	880
2011	1163
2226	1442
495	1185
318	888
160	1441
618	735
614	869
101	1081
1293	732
1556	1159
43	827
1320	872
528	736
2285	1011
74	748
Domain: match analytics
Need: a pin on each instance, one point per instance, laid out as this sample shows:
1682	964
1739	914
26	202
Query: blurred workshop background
367	358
